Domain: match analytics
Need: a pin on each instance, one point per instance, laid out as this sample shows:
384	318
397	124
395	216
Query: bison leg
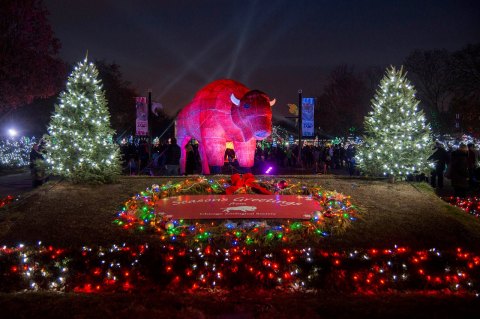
214	150
203	158
245	152
183	141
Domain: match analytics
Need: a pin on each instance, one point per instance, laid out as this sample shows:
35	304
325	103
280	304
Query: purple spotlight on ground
269	170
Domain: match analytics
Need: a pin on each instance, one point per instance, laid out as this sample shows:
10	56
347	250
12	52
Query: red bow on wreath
245	181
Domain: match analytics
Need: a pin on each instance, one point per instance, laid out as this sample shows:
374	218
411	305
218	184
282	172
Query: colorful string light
335	215
136	268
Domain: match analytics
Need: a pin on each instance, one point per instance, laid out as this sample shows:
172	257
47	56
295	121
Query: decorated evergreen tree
397	138
80	145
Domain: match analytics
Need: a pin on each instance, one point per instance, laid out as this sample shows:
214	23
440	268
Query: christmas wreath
335	215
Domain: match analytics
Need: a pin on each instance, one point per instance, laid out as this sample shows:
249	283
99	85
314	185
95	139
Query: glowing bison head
253	114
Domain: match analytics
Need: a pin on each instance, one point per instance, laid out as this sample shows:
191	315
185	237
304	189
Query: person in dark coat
172	158
459	170
143	154
36	171
440	159
350	158
190	162
472	164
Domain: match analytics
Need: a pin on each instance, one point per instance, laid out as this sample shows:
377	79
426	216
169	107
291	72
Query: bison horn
234	100
272	102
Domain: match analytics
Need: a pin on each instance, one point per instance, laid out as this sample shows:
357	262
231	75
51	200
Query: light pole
300	127
149	123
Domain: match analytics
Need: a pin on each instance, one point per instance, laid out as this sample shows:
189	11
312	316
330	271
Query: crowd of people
164	159
314	159
458	164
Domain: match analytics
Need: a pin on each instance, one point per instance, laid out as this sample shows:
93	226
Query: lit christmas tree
80	146
397	138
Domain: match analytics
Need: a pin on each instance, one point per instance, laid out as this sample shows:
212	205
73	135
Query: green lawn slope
403	213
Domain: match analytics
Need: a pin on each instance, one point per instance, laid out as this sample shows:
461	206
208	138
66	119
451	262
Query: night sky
175	47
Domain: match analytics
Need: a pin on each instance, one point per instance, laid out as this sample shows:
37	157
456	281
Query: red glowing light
208	250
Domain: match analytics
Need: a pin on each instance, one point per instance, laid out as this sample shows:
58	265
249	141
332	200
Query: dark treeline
447	85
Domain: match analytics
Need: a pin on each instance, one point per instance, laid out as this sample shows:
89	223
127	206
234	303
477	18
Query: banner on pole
142	115
308	108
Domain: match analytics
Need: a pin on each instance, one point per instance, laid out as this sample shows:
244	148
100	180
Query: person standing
289	156
350	154
440	159
316	159
36	170
351	166
190	162
472	164
172	158
459	170
143	155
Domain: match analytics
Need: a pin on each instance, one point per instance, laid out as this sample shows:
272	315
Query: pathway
15	184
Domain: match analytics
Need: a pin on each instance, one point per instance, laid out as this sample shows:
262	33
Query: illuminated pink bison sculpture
224	111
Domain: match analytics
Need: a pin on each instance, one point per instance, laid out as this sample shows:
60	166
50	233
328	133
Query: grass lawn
407	214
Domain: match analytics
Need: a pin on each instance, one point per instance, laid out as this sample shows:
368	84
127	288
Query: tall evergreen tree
397	138
80	146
